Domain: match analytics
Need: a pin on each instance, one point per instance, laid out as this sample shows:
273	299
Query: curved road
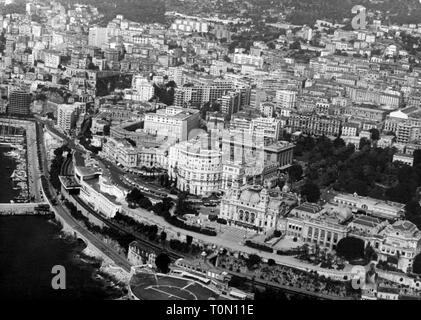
60	210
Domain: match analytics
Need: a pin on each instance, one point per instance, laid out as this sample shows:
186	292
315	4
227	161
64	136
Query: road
61	211
155	247
231	238
91	238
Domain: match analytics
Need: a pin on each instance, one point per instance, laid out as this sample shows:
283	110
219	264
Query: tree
311	192
369	253
253	260
375	134
350	248
134	196
338	143
364	142
296	45
163	236
145	203
416	268
413	213
271	262
417	157
295	172
162	262
189	240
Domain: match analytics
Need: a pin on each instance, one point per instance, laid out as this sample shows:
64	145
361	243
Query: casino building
255	207
316	225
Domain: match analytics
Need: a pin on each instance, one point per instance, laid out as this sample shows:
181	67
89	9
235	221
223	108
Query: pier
12	209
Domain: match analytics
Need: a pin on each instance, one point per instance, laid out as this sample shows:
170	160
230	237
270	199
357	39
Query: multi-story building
363	95
190	25
230	103
137	255
403	158
52	58
266	127
142	89
120	151
172	122
405	124
315	124
350	129
246	59
286	99
68	114
19	102
259	126
267	109
252	156
97	36
196	165
200	92
366	112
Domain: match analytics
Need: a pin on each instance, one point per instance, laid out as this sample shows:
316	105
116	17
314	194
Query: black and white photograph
210	154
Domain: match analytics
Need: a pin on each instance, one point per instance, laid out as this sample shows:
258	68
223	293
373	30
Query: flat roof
69	182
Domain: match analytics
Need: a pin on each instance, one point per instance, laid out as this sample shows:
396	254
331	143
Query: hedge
258	246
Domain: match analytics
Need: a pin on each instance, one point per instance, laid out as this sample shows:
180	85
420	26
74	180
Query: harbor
43	245
19	176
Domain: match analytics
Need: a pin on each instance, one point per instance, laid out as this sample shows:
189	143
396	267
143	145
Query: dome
344	213
250	196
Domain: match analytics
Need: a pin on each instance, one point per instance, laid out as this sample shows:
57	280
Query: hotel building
172	122
196	165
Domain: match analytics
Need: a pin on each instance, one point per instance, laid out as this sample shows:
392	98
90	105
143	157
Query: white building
97	37
286	98
120	151
143	88
172	122
196	165
254	207
404	158
375	207
401	241
67	115
241	58
52	58
98	191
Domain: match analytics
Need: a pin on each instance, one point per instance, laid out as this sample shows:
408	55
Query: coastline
109	274
46	244
116	273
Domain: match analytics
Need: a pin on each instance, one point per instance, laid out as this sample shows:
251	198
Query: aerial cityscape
210	150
